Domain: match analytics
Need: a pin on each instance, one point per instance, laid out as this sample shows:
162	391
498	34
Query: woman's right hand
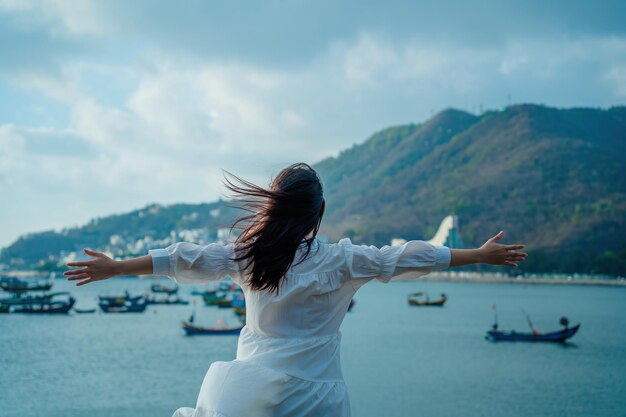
99	268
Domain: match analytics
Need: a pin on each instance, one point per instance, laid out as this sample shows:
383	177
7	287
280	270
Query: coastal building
447	234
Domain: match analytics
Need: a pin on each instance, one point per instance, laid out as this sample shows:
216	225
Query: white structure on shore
447	234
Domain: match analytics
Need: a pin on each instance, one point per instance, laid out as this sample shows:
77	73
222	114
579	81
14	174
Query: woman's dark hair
280	219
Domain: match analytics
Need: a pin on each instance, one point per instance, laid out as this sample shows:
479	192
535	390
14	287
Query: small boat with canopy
421	299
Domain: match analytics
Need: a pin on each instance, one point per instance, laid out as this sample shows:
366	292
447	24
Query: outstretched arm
102	267
492	253
183	262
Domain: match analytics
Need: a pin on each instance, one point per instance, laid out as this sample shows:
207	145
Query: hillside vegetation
552	178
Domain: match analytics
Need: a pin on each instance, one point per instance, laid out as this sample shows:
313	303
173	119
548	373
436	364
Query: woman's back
312	299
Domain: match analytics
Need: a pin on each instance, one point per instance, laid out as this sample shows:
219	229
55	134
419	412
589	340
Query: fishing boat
201	293
560	336
223	303
126	308
193	330
213	299
59	303
421	299
17	285
130	305
513	336
163	289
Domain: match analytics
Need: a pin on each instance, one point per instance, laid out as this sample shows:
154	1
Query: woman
297	292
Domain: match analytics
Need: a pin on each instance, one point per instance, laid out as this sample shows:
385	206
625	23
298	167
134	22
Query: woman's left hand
99	268
494	253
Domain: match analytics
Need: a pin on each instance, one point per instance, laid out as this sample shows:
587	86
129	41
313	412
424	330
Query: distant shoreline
490	278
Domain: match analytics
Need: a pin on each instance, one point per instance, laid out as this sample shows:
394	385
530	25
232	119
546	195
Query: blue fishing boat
213	299
17	285
559	336
125	308
128	304
513	336
59	303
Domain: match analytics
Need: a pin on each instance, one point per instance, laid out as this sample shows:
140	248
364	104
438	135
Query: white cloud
62	17
107	127
373	60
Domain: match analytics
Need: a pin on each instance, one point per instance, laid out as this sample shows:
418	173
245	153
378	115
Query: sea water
398	360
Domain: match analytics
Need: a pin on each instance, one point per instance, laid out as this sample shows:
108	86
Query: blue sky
106	106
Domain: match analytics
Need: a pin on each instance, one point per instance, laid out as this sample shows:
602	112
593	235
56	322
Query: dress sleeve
190	263
412	260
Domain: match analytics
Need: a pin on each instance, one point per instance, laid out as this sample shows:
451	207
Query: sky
107	106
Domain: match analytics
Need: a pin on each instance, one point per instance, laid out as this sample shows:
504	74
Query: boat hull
46	308
29	299
123	304
191	330
84	310
559	337
120	300
15	285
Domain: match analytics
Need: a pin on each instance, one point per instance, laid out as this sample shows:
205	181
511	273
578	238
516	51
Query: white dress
288	353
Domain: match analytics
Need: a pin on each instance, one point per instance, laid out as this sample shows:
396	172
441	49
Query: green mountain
554	179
